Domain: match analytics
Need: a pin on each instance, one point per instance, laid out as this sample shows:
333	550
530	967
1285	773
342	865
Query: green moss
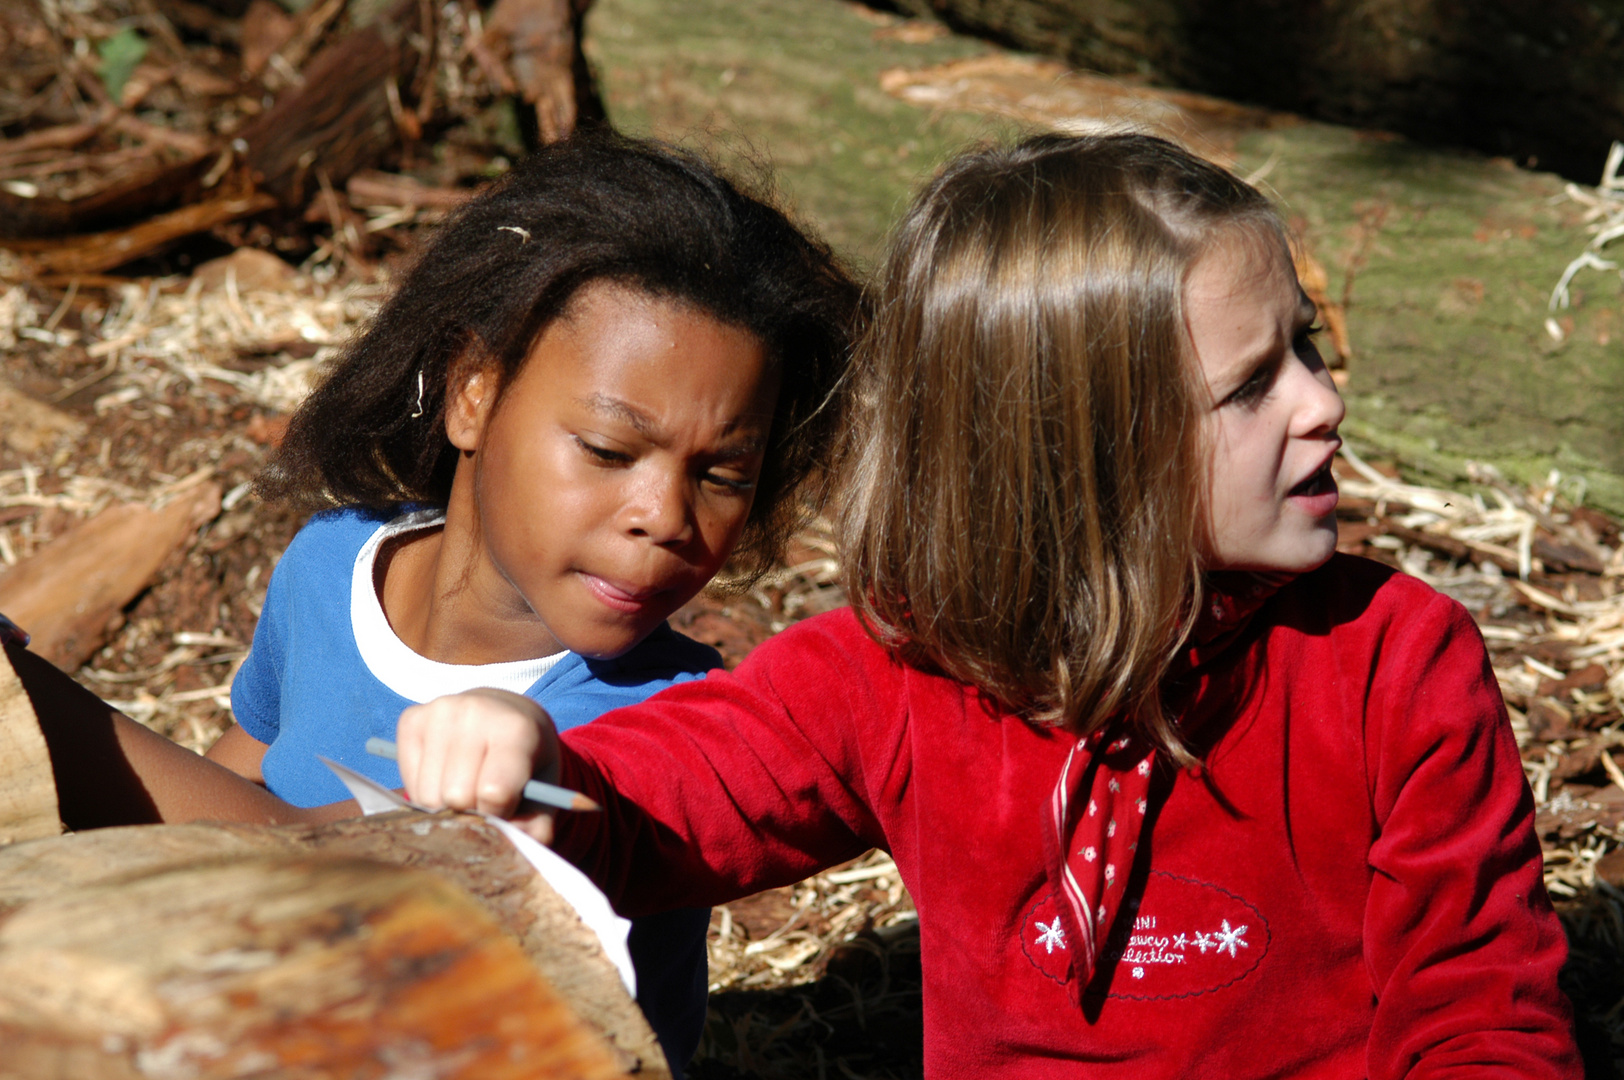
787	84
1453	256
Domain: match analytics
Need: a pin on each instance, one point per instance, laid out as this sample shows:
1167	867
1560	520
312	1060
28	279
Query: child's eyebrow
640	421
645	425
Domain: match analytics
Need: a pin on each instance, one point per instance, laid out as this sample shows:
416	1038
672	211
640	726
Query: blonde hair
1023	507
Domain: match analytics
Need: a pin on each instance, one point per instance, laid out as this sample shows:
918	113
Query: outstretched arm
110	770
1461	943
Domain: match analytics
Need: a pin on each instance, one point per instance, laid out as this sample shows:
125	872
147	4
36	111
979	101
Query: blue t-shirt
326	672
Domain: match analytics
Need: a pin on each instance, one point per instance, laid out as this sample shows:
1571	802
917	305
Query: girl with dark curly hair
607	380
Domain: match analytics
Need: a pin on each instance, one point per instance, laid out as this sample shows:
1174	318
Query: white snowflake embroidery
1140	804
1110	876
1053	934
1110	830
1093	808
1203	942
1228	939
1139	973
1144	767
1180	942
1089	854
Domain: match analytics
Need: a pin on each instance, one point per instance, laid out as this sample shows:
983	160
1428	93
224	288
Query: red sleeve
1461	942
721	787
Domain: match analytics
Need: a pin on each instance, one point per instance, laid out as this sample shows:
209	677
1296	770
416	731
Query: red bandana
1098	808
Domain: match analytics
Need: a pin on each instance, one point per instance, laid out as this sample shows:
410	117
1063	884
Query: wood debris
1604	220
132	125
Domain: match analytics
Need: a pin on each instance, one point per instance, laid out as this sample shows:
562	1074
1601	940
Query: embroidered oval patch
1186	937
1181	938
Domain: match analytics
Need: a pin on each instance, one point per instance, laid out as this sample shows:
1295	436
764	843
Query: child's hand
474	751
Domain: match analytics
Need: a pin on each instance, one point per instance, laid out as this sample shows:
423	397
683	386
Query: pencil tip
581	802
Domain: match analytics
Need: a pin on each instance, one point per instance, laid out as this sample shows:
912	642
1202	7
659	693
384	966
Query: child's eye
1253	389
731	485
602	453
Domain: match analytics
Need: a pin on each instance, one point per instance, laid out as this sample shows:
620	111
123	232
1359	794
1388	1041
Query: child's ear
470	399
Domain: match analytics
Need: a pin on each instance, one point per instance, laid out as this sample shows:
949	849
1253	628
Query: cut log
289	967
48	875
70	592
95	975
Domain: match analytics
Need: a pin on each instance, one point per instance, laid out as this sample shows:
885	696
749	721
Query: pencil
534	790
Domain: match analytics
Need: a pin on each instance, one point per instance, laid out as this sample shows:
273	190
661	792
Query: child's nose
662	511
1321	408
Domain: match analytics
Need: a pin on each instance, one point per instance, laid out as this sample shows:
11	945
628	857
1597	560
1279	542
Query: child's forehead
609	299
1242	260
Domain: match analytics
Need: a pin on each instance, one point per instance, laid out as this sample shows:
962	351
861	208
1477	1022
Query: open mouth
1321	483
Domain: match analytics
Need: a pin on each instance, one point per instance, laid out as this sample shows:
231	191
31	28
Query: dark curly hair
595	207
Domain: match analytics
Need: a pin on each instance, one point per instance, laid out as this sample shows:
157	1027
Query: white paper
575	887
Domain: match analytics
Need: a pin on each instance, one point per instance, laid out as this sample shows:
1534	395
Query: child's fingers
473	750
462	760
421	736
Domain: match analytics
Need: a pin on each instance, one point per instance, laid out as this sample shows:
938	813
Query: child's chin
1299	557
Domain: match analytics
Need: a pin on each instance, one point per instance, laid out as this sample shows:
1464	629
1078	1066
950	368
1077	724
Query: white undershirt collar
392	662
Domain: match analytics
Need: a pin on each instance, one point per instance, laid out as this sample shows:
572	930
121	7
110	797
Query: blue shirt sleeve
256	692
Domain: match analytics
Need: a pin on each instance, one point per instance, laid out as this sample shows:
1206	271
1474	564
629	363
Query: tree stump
399	944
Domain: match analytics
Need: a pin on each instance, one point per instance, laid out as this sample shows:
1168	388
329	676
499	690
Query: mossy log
1522	80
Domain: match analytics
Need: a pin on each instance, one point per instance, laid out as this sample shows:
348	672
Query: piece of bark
70	592
292	967
339	120
371	188
30	426
459	848
253	270
28	805
104	251
266	27
81	176
535	43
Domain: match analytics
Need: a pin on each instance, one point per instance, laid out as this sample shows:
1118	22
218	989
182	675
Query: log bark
28	806
1511	78
70	592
